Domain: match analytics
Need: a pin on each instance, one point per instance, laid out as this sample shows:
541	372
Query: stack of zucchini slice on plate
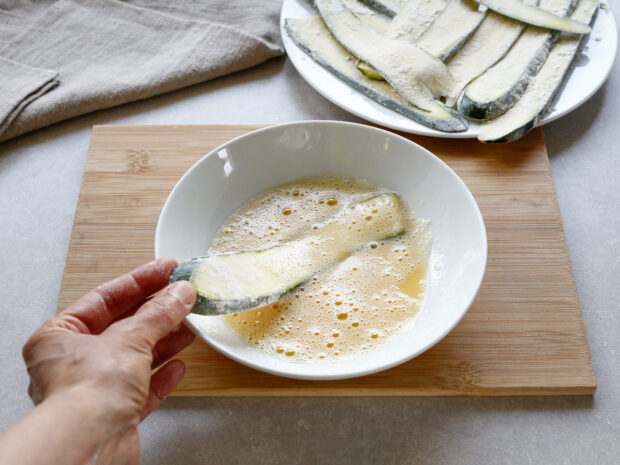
442	62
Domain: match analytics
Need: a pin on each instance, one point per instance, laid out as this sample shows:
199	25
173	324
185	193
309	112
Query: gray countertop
40	176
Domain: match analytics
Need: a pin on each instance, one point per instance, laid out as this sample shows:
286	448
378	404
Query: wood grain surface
524	334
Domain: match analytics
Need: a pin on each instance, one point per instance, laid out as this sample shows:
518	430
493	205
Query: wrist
49	433
94	407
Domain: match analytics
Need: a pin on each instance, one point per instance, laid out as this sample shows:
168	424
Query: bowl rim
351	373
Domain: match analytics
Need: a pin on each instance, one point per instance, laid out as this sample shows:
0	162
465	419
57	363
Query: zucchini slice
452	27
414	18
312	36
238	281
387	7
415	74
532	106
488	44
516	9
499	88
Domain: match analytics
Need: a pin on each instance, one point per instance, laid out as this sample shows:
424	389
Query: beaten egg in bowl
351	306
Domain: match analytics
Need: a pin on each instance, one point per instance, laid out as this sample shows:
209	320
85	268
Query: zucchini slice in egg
238	281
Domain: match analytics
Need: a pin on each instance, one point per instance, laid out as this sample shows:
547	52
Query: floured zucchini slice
450	25
238	281
502	85
517	9
415	74
451	29
532	105
414	18
488	44
312	36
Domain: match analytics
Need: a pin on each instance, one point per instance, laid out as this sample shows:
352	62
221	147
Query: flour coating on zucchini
238	281
488	44
414	18
501	86
312	36
415	74
516	9
373	19
442	37
451	29
532	106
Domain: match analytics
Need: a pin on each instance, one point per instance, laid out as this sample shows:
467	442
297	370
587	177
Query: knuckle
30	347
103	298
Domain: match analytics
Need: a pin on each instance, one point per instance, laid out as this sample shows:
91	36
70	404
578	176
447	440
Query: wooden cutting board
524	334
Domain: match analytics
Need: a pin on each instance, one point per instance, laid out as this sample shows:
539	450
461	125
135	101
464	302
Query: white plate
588	75
226	178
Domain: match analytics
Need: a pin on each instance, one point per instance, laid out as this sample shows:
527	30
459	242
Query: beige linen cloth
60	59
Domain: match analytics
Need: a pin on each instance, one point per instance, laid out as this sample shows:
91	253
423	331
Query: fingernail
184	291
166	260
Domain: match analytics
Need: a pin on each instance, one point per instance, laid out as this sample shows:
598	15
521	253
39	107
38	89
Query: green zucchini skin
209	307
382	7
455	124
514	135
486	110
184	270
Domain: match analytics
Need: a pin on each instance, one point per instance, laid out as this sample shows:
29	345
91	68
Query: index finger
97	309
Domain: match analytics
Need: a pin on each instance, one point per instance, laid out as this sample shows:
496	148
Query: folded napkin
60	59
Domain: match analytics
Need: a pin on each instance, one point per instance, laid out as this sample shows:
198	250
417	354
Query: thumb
161	314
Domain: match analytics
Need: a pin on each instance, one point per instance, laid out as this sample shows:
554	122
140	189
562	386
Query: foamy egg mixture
346	309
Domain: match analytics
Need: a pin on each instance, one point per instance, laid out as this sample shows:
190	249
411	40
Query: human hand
104	347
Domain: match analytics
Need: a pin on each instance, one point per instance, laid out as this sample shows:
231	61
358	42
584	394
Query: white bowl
230	175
